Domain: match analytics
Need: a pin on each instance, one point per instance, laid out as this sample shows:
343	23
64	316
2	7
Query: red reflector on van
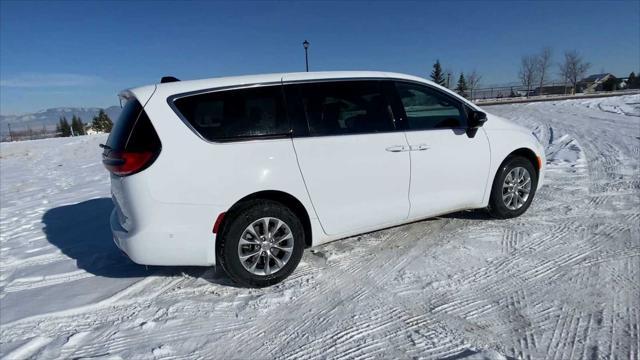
124	163
216	225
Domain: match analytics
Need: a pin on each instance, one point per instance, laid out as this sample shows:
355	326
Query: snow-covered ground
560	282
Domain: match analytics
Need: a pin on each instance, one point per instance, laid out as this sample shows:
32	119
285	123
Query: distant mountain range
50	117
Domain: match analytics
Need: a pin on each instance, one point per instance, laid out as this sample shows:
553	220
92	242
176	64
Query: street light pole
306	55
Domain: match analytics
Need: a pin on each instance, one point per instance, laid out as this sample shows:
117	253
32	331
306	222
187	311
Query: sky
59	54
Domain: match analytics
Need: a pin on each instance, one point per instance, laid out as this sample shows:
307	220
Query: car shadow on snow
476	214
82	232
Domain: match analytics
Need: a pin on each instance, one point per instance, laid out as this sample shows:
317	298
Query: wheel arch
524	152
527	154
282	197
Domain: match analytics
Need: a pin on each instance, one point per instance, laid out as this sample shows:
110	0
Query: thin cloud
34	80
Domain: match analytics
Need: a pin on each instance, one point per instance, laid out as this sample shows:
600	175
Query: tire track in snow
363	295
22	284
30	349
70	318
510	240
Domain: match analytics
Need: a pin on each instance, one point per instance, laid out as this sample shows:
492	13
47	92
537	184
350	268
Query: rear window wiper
105	146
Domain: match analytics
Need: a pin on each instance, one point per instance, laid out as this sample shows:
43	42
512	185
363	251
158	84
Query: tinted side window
133	130
226	115
343	107
427	108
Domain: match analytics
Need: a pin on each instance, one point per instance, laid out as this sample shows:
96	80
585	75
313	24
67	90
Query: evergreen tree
77	125
102	122
461	88
633	82
436	74
81	128
74	125
610	84
65	129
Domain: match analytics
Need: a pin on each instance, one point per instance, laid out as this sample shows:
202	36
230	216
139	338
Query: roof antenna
168	79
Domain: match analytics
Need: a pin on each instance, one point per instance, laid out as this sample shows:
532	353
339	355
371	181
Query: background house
598	82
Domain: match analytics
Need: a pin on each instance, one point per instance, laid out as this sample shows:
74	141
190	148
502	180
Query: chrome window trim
172	98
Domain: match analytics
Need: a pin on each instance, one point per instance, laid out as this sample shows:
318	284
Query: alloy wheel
265	246
516	188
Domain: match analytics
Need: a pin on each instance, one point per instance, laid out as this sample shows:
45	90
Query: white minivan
248	171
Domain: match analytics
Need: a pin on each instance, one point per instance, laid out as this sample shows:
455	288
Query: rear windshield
234	114
133	130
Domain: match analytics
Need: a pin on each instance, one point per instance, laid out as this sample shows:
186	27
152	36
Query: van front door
354	162
449	169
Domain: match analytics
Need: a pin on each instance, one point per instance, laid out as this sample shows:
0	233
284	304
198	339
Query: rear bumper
154	232
158	247
119	233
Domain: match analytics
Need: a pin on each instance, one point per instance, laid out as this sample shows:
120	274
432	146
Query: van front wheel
513	188
262	244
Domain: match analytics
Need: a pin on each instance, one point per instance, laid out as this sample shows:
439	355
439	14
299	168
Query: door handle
397	148
421	147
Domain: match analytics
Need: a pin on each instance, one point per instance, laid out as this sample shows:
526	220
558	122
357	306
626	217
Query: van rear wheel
262	243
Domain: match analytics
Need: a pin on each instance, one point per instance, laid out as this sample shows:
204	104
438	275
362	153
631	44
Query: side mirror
476	119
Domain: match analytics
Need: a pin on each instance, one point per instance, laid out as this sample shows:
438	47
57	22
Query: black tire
240	218
497	206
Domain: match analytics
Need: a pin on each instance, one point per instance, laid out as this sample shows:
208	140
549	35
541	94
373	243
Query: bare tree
573	69
472	82
544	62
528	71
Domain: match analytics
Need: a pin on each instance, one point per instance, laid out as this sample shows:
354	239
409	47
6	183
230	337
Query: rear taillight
124	163
133	144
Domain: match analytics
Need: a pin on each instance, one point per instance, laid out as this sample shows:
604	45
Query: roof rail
168	79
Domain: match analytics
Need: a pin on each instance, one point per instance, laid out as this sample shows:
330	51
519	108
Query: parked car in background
245	172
